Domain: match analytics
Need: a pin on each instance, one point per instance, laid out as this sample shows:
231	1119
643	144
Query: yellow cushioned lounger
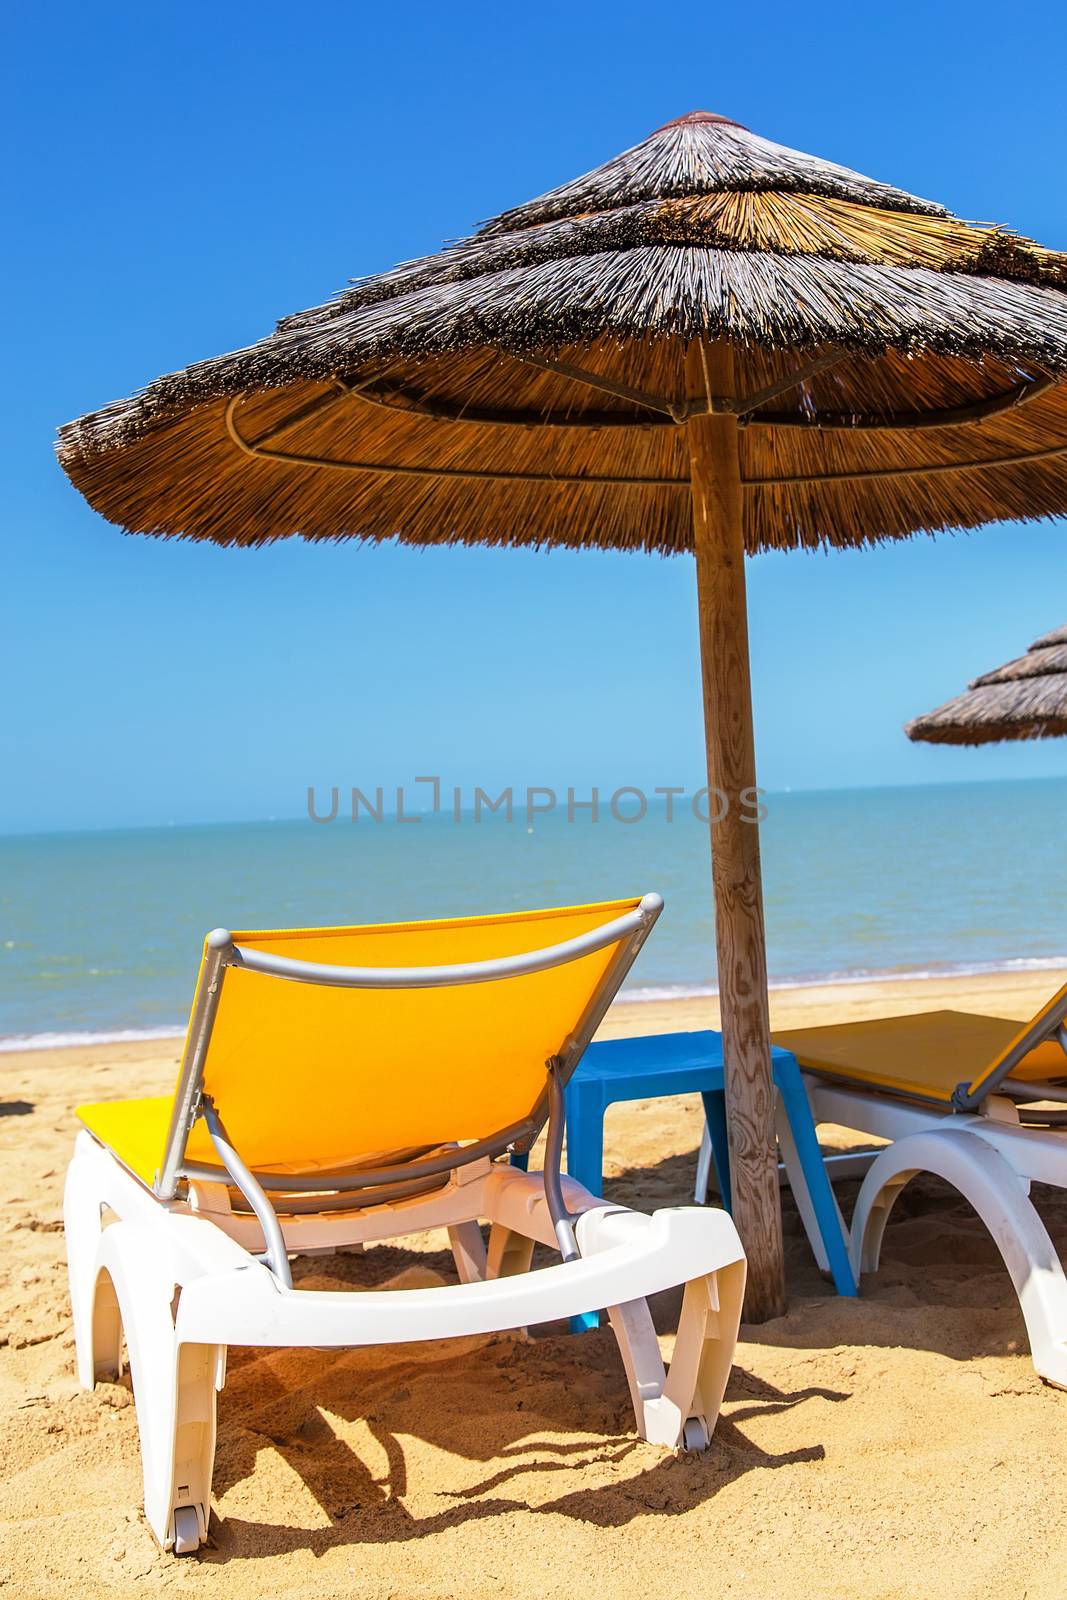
944	1056
342	1086
979	1101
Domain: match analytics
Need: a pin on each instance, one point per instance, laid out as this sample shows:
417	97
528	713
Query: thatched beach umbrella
710	344
1024	699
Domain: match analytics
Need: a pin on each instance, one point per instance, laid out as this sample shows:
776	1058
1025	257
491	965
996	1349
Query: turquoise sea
100	932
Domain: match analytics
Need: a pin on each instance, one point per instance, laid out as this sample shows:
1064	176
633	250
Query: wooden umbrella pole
718	540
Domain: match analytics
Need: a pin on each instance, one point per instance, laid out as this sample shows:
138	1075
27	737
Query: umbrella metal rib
597	480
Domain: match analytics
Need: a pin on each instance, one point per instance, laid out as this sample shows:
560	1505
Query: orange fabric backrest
308	1078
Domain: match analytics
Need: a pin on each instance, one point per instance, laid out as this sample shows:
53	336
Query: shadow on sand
367	1508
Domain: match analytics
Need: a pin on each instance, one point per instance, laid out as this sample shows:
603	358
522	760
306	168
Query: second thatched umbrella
1024	699
711	344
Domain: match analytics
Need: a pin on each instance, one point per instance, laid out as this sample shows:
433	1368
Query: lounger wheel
695	1435
186	1531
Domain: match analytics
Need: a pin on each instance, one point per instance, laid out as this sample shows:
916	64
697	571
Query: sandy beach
895	1446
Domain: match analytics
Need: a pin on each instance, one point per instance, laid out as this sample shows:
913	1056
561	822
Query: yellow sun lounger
952	1058
977	1100
345	1085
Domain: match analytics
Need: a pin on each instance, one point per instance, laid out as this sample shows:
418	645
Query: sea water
100	933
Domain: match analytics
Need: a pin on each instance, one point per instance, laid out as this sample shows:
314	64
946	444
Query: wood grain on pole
739	932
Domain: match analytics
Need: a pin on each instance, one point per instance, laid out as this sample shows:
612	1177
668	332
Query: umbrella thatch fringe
1024	699
424	403
1033	709
186	477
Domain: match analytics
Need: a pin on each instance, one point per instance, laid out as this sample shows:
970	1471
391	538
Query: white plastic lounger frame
995	1137
991	1158
183	1274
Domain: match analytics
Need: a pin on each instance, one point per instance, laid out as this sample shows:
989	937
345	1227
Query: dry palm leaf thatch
896	369
1024	699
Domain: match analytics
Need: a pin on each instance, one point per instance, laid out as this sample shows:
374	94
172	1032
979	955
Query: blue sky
180	175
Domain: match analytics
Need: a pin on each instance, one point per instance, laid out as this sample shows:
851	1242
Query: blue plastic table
685	1063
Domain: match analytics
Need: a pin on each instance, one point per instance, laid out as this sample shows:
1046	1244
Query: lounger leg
679	1408
798	1143
468	1251
97	1325
646	1375
704	1351
998	1194
174	1387
509	1253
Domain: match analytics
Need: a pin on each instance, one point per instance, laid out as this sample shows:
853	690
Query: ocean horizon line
11	1044
445	813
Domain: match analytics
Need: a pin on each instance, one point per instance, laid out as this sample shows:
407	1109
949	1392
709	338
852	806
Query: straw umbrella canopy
711	344
1024	699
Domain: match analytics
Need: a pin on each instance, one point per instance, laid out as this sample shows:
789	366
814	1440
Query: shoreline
859	975
1013	993
1017	988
